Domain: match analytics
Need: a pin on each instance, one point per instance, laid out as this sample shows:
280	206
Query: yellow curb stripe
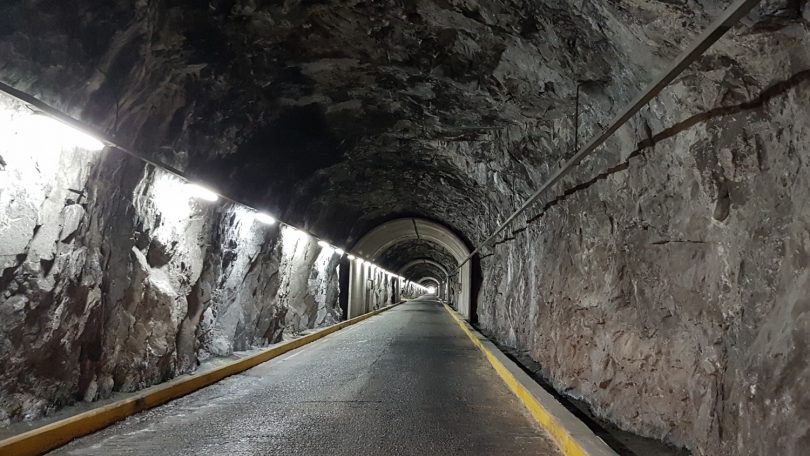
567	444
48	437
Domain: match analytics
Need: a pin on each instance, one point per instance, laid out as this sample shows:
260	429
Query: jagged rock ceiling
422	270
334	114
339	115
399	255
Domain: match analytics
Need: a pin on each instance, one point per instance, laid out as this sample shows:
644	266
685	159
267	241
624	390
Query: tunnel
403	244
405	227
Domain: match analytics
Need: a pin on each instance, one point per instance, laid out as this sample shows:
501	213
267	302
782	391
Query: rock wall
410	291
380	290
666	282
114	277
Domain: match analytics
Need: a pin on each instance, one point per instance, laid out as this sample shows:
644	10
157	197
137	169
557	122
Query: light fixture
62	133
265	218
339	251
172	198
202	192
352	257
326	248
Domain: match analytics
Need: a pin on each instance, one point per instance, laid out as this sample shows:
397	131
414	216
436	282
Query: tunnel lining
386	235
418	261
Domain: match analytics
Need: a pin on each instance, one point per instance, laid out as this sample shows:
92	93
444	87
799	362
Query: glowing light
352	257
292	236
171	197
265	218
431	290
339	251
202	193
44	129
326	248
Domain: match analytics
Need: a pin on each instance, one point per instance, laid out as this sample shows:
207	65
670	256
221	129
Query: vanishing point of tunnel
405	227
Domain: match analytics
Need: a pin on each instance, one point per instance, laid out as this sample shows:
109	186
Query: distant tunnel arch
428	269
378	240
428	261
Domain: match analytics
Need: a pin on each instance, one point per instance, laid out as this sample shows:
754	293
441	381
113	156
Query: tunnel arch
440	273
430	282
412	263
386	235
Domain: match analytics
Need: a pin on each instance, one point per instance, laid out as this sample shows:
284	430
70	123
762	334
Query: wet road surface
405	382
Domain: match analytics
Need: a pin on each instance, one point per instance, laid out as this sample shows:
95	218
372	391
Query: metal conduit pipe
717	29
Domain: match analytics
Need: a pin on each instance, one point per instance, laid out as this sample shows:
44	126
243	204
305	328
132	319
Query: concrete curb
40	440
570	434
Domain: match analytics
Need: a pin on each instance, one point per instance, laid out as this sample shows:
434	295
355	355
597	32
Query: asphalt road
405	382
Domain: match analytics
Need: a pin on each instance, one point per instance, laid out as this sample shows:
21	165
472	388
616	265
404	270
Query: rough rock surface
664	282
670	294
115	278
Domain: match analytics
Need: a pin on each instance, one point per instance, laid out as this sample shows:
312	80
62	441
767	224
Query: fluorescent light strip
55	130
54	124
265	218
68	134
201	192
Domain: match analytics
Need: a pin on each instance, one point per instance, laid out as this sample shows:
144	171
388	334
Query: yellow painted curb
561	434
48	437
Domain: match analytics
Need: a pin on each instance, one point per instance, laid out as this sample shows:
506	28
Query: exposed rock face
669	291
664	282
115	278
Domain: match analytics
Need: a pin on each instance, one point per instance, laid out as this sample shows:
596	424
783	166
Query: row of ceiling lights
68	135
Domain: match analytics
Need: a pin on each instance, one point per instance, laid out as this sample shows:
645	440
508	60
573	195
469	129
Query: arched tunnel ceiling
398	255
423	266
418	271
340	115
